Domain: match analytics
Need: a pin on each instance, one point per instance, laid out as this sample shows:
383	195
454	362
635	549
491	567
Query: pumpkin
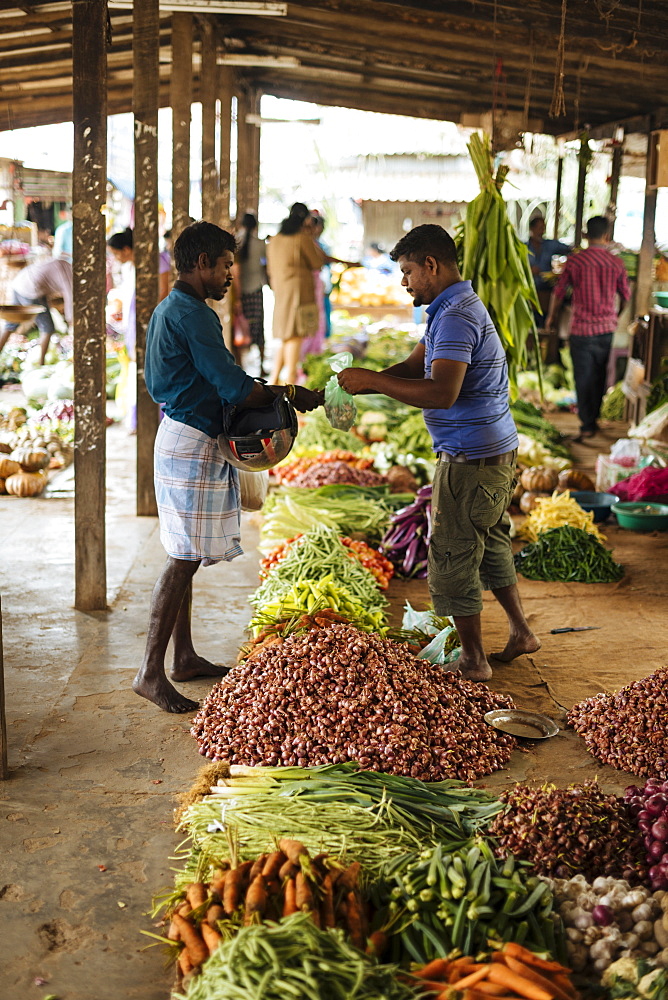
8	467
573	479
539	479
2	487
517	493
31	459
26	484
528	501
5	449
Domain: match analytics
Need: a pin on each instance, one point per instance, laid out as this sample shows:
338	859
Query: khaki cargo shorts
470	548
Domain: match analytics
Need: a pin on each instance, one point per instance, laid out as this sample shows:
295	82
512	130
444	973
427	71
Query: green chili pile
568	554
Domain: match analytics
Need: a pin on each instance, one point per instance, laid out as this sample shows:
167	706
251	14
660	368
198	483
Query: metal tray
523	725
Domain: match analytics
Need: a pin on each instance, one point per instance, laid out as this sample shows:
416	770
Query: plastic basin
599	503
639	515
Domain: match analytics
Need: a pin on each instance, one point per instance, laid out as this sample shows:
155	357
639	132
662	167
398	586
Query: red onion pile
325	473
336	694
628	729
649	807
567	830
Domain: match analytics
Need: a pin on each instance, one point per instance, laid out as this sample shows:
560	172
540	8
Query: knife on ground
574	628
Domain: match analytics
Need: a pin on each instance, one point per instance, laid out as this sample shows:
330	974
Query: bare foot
517	645
474	671
162	694
196	666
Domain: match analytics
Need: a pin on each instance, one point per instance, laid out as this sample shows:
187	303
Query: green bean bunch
570	555
292	958
315	555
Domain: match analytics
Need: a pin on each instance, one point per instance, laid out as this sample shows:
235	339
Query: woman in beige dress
292	257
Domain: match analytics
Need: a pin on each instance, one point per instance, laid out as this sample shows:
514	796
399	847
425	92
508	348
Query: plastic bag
654	426
625	452
424	620
435	651
254	487
340	406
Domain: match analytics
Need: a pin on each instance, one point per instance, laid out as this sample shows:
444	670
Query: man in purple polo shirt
458	376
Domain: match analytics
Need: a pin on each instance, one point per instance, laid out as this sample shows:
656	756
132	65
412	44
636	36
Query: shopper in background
249	278
541	252
600	290
62	238
122	249
376	259
34	286
322	283
292	257
458	376
191	373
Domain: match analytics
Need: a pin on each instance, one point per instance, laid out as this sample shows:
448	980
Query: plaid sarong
197	493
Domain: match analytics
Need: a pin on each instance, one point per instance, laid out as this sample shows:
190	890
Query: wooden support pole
254	152
580	196
145	103
557	198
4	763
225	92
243	151
647	247
208	86
89	189
615	173
181	99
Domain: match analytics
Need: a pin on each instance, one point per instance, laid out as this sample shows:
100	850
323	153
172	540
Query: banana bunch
496	261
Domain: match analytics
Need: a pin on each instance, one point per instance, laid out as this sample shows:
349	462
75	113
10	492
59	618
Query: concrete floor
86	827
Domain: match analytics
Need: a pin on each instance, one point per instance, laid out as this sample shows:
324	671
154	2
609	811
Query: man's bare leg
151	681
187	664
472	661
44	341
520	637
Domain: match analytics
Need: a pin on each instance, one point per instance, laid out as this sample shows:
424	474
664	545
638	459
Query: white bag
254	487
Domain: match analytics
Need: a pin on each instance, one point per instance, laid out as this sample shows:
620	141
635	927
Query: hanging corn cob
495	260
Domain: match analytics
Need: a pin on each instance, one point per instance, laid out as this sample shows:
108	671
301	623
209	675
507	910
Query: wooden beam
648	245
254	131
243	150
583	163
4	762
226	93
209	80
89	189
146	22
615	173
557	197
181	99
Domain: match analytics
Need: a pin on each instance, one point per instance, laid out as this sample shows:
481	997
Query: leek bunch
496	261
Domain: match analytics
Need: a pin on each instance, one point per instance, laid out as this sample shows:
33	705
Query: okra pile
442	901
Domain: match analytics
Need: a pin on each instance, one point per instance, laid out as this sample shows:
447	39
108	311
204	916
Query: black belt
507	458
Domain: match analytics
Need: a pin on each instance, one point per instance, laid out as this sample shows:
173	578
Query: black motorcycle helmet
256	440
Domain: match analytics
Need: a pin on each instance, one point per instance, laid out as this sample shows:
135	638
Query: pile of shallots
335	694
628	729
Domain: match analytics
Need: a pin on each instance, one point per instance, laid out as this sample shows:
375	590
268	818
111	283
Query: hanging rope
558	106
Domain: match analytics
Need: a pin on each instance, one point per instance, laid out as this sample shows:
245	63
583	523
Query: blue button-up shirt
479	423
543	259
188	368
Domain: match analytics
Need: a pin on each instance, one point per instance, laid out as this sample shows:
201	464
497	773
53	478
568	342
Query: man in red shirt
596	277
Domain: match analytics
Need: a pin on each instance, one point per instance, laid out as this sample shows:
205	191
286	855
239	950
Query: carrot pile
273	886
514	973
275	631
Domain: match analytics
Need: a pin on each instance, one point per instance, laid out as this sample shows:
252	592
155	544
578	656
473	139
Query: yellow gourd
26	484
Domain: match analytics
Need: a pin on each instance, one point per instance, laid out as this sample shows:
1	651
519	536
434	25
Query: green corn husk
496	262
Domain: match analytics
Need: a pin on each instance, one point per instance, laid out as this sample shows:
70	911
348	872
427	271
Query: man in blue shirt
191	373
458	376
